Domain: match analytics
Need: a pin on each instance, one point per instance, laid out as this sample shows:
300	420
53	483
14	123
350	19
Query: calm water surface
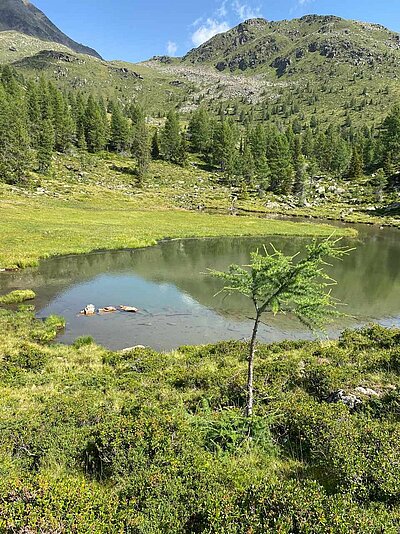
176	300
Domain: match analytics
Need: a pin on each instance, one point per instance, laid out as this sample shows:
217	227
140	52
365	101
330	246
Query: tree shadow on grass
124	170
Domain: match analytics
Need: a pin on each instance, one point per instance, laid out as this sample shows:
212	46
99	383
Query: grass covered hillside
96	441
317	66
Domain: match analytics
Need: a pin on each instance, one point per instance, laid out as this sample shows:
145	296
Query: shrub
18	296
370	336
29	357
83	342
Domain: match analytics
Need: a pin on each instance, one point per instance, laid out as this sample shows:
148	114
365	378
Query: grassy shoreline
110	442
34	230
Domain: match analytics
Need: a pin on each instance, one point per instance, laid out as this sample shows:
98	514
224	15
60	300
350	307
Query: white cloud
222	11
228	14
210	28
245	11
197	22
171	48
304	2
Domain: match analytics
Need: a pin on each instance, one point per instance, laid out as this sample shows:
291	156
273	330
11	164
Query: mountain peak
22	16
289	45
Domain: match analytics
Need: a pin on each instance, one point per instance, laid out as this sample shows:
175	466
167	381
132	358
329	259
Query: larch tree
276	283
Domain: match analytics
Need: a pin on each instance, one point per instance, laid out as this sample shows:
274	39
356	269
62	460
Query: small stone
367	391
107	309
130	349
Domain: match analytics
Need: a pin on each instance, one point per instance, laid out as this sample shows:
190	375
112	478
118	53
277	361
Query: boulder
367	391
351	401
89	310
107	309
128	309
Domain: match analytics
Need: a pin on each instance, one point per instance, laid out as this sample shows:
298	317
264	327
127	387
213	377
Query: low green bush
18	296
140	442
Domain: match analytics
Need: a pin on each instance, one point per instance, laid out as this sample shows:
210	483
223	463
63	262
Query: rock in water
89	310
128	309
107	309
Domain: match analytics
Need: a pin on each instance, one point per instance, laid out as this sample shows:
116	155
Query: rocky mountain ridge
23	17
284	45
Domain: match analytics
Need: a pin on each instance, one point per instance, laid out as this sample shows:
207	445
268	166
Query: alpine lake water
176	299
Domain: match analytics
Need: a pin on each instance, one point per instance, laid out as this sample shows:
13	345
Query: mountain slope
25	18
322	69
287	46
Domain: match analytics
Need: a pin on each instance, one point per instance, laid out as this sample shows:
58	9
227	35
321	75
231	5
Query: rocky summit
287	46
25	18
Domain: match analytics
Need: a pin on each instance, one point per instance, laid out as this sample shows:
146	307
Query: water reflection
177	301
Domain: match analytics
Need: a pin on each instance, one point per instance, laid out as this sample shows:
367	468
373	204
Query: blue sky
134	30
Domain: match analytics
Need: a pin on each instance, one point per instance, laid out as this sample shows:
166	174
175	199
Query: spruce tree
224	153
33	112
80	119
182	159
141	147
155	146
15	156
63	122
257	142
200	131
95	132
45	146
170	142
119	130
247	166
356	164
280	162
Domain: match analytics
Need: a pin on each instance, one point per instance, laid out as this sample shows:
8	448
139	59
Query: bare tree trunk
250	373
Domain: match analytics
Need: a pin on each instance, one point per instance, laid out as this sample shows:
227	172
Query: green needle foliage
277	283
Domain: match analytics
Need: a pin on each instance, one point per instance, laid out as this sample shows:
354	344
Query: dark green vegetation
94	441
38	120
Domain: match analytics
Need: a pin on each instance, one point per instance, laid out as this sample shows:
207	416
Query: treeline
285	159
37	120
